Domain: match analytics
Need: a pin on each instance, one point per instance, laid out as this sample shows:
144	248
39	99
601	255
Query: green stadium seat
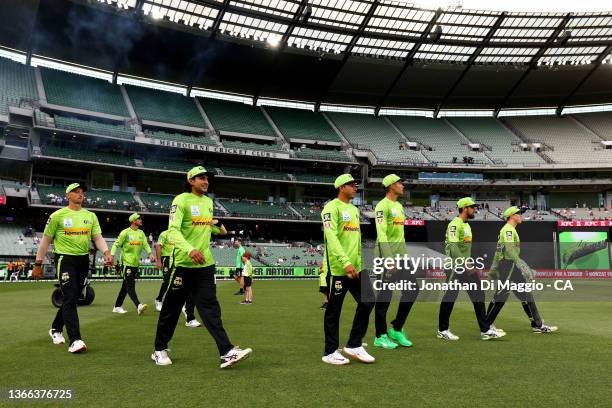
236	117
322	154
302	124
179	137
167	107
235	144
86	155
257	209
17	82
121	131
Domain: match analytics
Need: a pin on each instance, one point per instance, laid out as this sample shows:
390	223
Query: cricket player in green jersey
132	241
342	261
191	224
163	253
458	247
237	275
508	266
390	241
71	229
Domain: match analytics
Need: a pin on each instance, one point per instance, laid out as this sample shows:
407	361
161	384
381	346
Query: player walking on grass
237	275
247	277
390	241
71	229
508	266
342	260
193	271
163	252
458	247
132	241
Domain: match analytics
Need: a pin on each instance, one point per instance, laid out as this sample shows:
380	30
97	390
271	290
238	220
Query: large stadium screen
587	250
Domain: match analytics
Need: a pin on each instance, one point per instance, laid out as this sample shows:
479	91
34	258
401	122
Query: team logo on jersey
453	231
379	217
327	217
508	236
338	286
346	216
195	211
67	222
65	276
172	209
178	281
85	222
394	212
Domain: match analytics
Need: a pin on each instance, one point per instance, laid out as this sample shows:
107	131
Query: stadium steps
338	132
139	201
390	122
588	130
467	140
525	139
295	211
599	123
220	207
274	127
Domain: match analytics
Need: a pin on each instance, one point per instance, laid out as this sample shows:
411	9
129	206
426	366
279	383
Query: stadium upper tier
179	137
168	107
17	82
236	117
299	124
564	139
82	92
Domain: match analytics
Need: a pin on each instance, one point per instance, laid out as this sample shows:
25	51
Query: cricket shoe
234	356
161	357
335	358
193	323
141	308
359	353
77	346
158	305
544	328
447	335
492	334
57	337
119	310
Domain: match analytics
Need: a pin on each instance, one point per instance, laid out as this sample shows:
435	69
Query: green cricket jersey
190	226
390	238
167	245
458	239
239	254
131	242
72	231
508	245
342	234
247	270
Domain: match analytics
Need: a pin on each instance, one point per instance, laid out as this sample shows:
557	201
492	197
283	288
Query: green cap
390	179
196	171
134	217
511	211
465	202
343	179
74	186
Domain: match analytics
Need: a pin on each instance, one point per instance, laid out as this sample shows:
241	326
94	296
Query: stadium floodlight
273	40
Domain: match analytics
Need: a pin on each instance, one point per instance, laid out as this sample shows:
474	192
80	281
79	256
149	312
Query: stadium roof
378	53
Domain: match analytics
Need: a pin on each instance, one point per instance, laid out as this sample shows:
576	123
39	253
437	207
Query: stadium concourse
302	137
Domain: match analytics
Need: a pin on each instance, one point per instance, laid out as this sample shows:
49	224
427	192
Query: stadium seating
236	117
179	137
121	131
78	91
417	213
315	177
570	142
253	172
580	213
257	209
87	155
158	203
13	243
16	83
308	211
235	144
375	134
167	107
504	145
302	124
321	154
168	164
539	215
444	141
107	199
598	122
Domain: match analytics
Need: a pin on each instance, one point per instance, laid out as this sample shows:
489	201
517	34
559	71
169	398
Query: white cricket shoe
141	308
335	358
161	357
119	310
193	323
492	334
447	335
234	355
497	329
57	337
158	305
359	353
77	346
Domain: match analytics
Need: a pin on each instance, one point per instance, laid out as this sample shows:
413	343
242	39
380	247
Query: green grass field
284	327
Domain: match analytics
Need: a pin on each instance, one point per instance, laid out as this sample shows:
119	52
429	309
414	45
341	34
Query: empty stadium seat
236	117
167	107
236	144
107	199
87	155
159	203
302	124
121	131
17	82
257	209
78	91
179	137
322	154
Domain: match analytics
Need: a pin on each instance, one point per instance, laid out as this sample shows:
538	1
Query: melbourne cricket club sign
211	148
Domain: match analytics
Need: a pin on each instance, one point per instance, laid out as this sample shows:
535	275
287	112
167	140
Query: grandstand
76	154
17	83
257	209
236	144
13	243
121	131
321	154
236	117
82	92
167	107
157	203
102	199
298	125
